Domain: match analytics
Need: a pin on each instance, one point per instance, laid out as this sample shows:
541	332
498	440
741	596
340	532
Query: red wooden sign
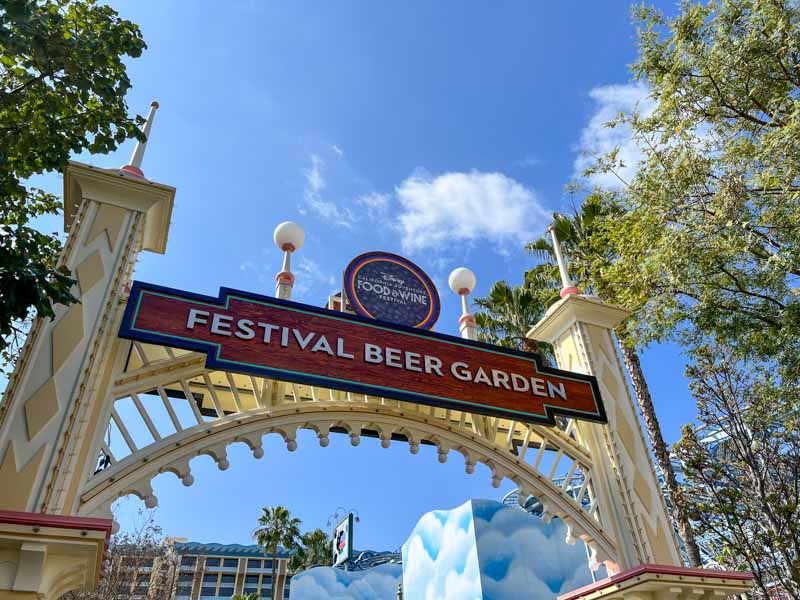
248	333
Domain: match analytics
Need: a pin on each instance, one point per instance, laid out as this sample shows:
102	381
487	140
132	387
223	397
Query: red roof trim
658	569
45	520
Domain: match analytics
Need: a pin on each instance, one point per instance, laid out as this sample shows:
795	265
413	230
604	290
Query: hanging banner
388	287
261	335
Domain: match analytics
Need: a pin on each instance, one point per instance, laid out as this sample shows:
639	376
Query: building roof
215	549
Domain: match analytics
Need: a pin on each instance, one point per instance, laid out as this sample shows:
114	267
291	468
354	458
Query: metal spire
134	167
567	287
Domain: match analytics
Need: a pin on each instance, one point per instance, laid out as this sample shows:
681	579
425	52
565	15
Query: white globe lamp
289	236
462	281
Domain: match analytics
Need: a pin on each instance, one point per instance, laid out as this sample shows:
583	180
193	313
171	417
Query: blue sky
444	131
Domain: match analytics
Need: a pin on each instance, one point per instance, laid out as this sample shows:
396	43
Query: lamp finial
567	287
134	167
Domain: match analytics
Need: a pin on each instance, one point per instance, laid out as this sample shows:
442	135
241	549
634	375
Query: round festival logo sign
384	286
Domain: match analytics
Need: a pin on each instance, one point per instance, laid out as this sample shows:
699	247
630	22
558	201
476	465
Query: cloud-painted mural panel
490	551
327	583
481	550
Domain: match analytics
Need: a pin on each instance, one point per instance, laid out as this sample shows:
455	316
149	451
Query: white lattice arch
133	474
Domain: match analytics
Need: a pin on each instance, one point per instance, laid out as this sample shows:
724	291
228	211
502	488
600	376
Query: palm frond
541	249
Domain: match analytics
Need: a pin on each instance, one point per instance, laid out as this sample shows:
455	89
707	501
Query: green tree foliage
277	529
743	488
507	314
313	549
706	243
583	242
252	596
709	242
62	91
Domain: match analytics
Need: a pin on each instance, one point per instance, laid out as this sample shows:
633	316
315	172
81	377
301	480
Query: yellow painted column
48	408
630	504
49	414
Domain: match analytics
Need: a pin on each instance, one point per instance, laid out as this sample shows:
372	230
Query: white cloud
597	139
528	161
374	200
442	262
336	149
315	203
376	204
466	207
261	271
309	276
311	270
315	183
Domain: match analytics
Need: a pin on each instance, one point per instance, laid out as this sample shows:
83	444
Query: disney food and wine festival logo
388	287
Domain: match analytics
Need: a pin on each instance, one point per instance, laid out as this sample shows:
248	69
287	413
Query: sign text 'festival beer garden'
249	333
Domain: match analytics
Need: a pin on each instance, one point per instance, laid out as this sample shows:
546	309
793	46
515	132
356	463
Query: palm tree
276	528
252	596
314	549
507	314
587	252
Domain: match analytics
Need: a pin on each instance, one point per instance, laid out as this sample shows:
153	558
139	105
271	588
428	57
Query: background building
208	570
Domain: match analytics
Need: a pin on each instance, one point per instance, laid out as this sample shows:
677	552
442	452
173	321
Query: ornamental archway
209	410
76	372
